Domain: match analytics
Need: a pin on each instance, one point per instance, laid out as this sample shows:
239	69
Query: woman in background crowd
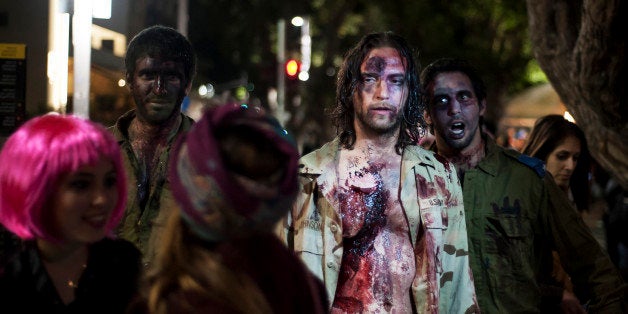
563	147
62	191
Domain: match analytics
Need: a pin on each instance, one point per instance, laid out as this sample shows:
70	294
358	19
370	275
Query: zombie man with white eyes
516	214
160	66
379	219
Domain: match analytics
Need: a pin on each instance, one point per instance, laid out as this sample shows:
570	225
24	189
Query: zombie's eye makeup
440	100
398	80
368	78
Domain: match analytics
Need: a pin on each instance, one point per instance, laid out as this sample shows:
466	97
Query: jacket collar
316	162
121	129
490	162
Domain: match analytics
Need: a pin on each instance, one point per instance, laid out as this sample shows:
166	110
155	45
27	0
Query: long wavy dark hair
349	80
549	132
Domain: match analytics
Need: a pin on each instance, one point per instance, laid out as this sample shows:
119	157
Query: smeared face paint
382	92
454	111
158	87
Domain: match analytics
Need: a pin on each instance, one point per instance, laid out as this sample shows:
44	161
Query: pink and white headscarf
219	204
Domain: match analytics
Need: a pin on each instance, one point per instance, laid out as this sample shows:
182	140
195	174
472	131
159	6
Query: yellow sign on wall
12	51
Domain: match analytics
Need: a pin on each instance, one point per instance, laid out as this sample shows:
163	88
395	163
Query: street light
82	40
297	21
306	49
58	42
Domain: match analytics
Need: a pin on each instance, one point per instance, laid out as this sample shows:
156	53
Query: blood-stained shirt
431	199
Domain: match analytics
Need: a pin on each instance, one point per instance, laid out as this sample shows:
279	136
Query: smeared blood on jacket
425	189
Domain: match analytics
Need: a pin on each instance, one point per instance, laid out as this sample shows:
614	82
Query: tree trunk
582	49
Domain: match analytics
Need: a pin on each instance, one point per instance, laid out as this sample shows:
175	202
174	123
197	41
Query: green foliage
534	73
236	38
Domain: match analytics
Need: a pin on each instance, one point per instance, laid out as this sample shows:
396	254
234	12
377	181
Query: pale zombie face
158	87
382	92
83	202
562	161
454	111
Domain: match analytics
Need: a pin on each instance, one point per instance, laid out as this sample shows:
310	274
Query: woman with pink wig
62	191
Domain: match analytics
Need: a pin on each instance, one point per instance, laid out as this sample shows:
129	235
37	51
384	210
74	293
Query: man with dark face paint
160	66
516	215
378	219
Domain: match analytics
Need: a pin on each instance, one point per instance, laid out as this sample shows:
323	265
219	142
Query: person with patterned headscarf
233	175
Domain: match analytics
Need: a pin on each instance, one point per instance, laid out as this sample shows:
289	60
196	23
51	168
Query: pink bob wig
37	156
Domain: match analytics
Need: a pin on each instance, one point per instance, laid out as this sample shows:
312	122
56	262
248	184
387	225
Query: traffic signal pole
280	113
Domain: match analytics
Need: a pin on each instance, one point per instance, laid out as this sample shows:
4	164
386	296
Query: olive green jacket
314	228
143	225
516	216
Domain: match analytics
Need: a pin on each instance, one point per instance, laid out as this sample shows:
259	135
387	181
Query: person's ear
482	107
129	81
427	117
188	88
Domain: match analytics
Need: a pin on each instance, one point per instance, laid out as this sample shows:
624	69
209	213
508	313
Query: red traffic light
292	68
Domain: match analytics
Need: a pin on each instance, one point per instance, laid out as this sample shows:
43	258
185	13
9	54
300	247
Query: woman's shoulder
18	259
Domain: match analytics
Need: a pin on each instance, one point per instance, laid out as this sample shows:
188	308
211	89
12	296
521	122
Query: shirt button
330	265
333	228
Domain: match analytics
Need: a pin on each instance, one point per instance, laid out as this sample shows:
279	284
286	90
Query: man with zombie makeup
160	65
516	214
378	219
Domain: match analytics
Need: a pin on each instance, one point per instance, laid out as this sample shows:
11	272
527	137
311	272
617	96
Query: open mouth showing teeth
457	128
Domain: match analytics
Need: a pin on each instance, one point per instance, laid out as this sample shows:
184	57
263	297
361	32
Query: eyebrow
367	73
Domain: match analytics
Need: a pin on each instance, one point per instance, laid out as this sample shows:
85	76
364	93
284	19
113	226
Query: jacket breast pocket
432	213
308	237
508	241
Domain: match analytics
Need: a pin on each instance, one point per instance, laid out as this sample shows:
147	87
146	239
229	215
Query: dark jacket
108	283
516	216
143	222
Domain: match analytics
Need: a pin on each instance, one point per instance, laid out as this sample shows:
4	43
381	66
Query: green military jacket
313	229
516	216
143	225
